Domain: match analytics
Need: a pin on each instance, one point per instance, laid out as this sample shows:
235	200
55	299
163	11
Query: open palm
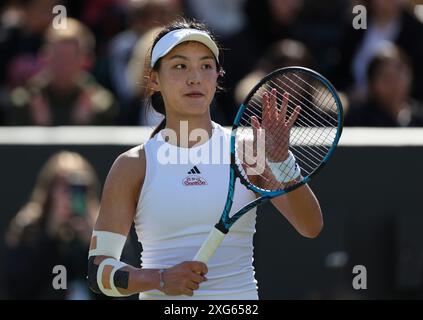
275	126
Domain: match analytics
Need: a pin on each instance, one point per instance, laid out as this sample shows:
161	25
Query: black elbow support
92	276
120	278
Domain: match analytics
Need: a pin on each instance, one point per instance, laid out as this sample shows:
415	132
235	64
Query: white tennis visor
175	37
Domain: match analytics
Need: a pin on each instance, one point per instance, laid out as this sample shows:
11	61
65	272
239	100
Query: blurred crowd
92	72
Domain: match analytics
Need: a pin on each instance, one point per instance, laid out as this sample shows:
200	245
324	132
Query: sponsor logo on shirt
194	178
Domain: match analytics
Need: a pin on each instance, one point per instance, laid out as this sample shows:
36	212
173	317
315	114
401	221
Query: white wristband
286	170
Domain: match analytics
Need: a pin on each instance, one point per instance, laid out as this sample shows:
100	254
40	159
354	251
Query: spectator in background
64	93
143	15
388	20
273	20
260	24
140	111
22	26
105	18
388	103
53	228
281	54
226	18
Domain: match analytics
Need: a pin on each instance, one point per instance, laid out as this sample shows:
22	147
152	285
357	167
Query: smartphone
78	193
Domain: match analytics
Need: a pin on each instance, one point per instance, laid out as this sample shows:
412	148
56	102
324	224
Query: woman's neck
189	131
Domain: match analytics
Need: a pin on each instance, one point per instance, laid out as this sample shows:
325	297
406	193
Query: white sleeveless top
180	203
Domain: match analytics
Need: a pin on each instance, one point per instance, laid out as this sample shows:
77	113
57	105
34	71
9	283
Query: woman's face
391	84
60	200
285	11
386	8
187	79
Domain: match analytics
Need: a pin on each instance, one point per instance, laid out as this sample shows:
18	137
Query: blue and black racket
293	113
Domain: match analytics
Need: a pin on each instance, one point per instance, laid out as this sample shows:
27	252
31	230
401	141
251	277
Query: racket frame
218	233
225	222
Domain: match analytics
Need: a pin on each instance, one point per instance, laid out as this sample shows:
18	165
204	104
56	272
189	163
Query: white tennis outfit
178	206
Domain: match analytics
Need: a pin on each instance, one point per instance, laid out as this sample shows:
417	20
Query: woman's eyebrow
206	57
178	56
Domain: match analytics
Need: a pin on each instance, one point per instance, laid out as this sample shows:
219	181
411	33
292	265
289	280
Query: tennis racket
291	110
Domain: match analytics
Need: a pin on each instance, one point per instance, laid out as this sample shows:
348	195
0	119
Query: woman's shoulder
130	165
134	154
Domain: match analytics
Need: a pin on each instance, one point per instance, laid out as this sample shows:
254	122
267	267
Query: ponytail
160	127
157	104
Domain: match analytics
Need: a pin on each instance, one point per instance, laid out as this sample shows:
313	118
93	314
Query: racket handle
209	246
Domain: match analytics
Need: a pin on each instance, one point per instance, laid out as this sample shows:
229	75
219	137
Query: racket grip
209	246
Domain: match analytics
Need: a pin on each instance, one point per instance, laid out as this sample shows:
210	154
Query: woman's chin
199	109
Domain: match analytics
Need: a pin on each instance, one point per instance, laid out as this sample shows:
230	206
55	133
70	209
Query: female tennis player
175	200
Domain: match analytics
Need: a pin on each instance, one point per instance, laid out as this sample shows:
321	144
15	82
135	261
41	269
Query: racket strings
300	121
307	102
310	139
310	112
319	92
297	139
256	110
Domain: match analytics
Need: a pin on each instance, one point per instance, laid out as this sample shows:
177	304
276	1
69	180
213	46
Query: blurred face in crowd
65	60
391	83
285	11
69	210
38	14
386	8
155	13
60	201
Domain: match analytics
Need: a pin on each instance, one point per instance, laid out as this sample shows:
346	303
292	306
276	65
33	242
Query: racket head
314	135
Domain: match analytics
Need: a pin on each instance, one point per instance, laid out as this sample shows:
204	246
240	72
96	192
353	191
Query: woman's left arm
301	208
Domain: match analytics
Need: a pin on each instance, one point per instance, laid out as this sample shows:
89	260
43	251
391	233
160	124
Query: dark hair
154	99
285	53
384	56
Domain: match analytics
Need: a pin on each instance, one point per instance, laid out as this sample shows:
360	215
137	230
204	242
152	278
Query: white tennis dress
178	206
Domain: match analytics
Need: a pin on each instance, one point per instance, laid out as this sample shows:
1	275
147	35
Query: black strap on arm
92	276
120	278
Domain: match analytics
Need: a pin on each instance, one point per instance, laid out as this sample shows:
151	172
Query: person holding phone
53	228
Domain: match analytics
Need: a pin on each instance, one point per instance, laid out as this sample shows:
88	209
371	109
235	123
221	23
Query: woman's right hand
184	278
